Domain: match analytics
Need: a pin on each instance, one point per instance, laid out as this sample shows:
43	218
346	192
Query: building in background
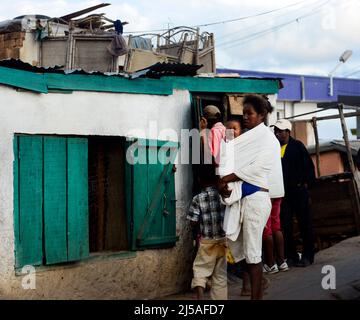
301	94
333	156
95	43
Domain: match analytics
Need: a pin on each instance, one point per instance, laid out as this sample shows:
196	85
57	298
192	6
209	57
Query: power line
236	32
279	26
251	16
245	39
357	69
226	21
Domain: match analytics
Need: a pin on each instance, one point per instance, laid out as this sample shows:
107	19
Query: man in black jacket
299	175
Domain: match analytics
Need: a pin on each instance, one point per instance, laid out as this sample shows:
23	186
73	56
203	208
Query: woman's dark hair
269	107
259	103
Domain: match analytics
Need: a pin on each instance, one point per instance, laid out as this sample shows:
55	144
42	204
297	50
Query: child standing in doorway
207	212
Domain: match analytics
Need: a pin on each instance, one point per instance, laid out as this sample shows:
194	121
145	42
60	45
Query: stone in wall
10	44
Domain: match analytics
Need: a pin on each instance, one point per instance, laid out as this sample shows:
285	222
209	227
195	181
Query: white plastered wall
94	113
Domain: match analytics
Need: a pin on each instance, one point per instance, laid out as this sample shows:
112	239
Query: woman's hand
230	178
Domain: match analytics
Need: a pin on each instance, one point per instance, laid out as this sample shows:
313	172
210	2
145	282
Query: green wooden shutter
151	188
78	209
28	200
50	200
55	209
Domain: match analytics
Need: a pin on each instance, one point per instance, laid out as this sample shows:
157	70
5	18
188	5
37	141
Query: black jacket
298	168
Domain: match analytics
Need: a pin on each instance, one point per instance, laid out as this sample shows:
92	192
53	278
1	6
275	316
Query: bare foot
245	292
265	283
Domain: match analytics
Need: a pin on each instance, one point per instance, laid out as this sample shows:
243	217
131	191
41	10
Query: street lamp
343	58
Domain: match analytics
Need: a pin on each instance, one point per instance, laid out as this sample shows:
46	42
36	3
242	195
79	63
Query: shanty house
92	224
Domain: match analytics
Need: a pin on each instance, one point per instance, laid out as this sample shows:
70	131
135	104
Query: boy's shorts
210	262
273	223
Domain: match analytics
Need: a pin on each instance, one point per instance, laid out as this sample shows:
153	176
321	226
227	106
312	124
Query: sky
289	36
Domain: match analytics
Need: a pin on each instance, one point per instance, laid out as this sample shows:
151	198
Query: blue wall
316	87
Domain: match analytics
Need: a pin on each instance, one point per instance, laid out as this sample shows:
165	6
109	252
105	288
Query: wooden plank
333	230
16	197
100	196
317	147
29	249
76	14
330	191
356	195
116	235
346	115
55	224
93	194
346	138
154	227
160	219
140	193
170	219
236	106
328	209
108	225
334	221
77	206
129	198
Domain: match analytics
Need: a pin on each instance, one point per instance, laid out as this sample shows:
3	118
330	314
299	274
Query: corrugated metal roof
165	69
337	145
22	75
156	71
10	26
20	65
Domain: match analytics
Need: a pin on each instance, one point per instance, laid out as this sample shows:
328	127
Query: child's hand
203	123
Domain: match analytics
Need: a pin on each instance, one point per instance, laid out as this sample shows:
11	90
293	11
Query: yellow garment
283	148
229	257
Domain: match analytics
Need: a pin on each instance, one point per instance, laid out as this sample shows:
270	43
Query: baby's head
235	125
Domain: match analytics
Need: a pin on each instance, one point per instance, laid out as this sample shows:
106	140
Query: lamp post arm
333	70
